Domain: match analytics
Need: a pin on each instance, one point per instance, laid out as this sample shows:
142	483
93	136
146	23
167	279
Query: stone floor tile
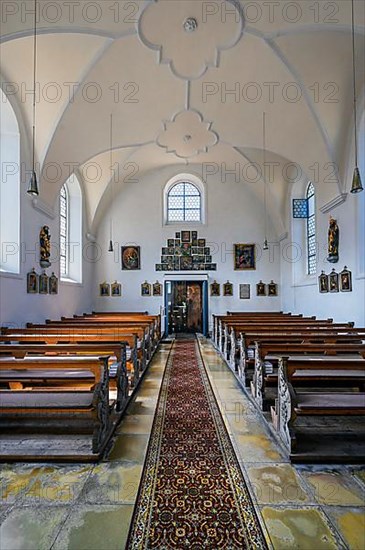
334	488
32	528
95	528
350	523
300	529
277	484
130	447
112	483
258	448
137	424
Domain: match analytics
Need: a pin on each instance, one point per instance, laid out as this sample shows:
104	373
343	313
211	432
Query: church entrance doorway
186	306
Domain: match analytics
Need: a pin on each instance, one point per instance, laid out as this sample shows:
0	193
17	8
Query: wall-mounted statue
333	240
45	246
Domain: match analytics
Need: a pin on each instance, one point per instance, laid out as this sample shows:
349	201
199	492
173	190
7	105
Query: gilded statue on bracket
333	240
45	246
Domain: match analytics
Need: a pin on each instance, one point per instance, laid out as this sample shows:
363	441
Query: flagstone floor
90	506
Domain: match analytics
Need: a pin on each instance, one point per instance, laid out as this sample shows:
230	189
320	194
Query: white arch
74	230
9	188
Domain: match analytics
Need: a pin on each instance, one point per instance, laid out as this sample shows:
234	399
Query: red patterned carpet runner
192	494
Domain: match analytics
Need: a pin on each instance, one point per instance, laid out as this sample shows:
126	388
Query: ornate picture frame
116	289
245	291
272	289
323	283
244	256
227	289
157	289
145	289
333	281
131	257
32	282
260	289
104	289
345	280
43	283
215	289
53	284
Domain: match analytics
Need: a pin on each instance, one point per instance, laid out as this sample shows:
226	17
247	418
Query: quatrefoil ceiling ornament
190	34
187	135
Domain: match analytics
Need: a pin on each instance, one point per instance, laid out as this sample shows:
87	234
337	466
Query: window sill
70	282
309	281
10	275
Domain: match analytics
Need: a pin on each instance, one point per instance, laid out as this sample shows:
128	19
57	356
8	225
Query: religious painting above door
131	257
244	256
186	252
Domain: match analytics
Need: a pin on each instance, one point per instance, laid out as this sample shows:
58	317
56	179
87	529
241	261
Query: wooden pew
262	350
57	410
118	376
240	348
146	342
135	363
294	403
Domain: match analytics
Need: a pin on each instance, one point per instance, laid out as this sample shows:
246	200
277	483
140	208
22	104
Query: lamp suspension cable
356	179
33	185
265	246
111	247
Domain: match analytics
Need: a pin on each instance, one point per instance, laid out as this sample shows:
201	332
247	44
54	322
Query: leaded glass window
63	231
311	231
184	203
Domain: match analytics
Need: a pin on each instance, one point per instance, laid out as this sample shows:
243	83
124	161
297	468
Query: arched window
63	231
9	188
184	203
311	231
71	231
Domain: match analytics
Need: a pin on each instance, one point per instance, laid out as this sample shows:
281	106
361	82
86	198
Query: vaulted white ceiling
187	82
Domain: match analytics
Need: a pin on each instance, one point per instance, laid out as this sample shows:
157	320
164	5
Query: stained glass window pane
311	231
63	231
184	203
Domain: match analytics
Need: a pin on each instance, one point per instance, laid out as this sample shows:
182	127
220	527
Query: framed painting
345	280
53	284
244	256
177	235
170	242
261	289
194	235
116	289
145	289
32	282
333	281
185	236
215	289
227	289
186	263
245	291
201	243
323	282
131	257
272	289
104	289
43	283
157	289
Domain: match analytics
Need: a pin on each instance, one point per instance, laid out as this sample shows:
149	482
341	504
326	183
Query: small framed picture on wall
345	280
245	291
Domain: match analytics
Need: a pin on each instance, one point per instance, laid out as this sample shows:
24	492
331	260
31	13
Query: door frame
205	302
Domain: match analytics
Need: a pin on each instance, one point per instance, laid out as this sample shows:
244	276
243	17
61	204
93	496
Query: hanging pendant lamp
33	183
111	247
356	178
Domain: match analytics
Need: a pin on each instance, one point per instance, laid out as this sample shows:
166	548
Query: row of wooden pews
303	374
65	384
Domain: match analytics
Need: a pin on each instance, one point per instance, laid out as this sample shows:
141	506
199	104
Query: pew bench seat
333	403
